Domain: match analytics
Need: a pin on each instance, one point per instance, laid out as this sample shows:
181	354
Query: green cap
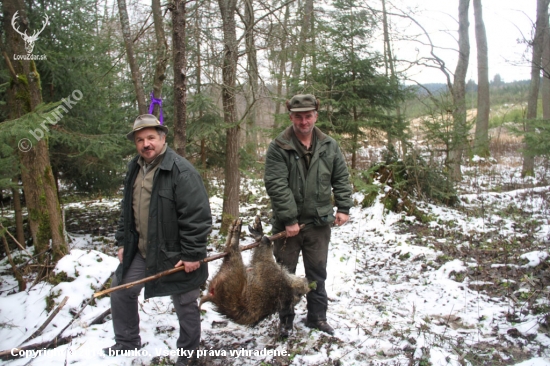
146	121
302	103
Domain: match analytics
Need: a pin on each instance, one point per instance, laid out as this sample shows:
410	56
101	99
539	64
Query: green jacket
178	227
305	197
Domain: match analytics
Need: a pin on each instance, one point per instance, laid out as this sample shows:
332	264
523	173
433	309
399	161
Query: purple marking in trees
152	107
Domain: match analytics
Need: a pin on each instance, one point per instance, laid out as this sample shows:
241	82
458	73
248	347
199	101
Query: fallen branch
280	235
15	240
50	318
100	318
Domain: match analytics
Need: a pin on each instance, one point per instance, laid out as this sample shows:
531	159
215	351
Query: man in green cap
164	223
304	169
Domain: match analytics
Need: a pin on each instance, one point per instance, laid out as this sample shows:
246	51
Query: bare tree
541	27
481	142
459	93
134	68
283	58
162	53
198	66
305	34
253	74
229	75
179	22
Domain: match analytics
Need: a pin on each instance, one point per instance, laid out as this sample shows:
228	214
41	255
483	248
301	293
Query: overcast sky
506	22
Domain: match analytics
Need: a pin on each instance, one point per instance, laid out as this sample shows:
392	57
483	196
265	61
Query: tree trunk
546	76
253	77
283	57
18	212
180	75
302	44
229	76
44	213
134	69
541	27
162	57
481	143
199	86
460	131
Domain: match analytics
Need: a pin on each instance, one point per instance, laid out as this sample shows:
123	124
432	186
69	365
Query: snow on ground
392	300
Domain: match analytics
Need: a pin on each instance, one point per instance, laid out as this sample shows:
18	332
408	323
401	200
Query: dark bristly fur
249	295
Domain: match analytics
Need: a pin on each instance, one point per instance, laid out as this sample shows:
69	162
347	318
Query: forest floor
468	287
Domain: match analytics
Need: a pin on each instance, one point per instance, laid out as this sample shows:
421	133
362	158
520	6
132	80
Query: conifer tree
355	95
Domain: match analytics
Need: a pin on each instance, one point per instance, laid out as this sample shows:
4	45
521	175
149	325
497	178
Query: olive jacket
305	197
178	226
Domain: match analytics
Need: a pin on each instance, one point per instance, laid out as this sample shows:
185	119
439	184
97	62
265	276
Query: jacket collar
166	164
169	158
284	140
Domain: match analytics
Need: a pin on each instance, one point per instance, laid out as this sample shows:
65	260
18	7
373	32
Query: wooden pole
280	235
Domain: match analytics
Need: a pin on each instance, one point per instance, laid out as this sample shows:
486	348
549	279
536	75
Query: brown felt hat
146	121
302	103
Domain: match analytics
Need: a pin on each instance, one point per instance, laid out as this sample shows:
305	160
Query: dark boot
322	325
285	326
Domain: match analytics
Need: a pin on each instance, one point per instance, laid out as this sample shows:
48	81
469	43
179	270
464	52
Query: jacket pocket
167	201
325	187
325	216
168	216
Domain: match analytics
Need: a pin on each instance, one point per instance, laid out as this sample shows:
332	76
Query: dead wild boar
247	295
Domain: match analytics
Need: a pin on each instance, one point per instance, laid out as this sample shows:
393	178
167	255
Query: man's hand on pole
292	230
189	266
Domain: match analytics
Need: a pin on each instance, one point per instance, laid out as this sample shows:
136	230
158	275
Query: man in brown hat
304	168
164	223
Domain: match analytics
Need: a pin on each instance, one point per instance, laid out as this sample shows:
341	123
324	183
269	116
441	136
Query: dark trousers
313	243
124	308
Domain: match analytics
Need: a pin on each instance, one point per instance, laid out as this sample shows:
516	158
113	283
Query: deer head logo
29	40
